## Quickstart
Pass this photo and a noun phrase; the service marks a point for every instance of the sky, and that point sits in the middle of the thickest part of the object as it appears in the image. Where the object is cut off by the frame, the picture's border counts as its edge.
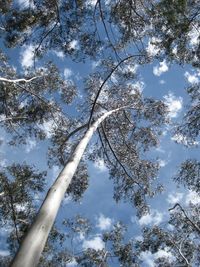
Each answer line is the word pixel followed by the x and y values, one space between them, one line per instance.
pixel 159 79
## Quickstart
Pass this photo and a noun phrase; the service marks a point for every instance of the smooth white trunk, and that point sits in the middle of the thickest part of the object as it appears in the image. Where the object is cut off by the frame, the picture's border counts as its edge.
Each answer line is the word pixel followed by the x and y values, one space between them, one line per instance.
pixel 33 244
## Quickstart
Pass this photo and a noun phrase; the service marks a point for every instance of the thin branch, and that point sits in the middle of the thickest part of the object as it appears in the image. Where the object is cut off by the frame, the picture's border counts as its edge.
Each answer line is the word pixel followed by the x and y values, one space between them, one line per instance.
pixel 34 94
pixel 106 30
pixel 103 83
pixel 186 216
pixel 115 156
pixel 43 38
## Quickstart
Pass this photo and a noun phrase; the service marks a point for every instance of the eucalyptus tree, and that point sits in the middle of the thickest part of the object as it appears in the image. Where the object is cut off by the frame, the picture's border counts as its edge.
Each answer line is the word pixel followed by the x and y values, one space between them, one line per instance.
pixel 114 248
pixel 21 187
pixel 137 121
pixel 19 184
pixel 179 239
pixel 127 122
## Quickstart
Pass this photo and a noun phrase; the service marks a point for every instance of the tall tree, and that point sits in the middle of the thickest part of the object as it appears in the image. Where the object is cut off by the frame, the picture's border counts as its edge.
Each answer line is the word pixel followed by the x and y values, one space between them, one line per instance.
pixel 73 28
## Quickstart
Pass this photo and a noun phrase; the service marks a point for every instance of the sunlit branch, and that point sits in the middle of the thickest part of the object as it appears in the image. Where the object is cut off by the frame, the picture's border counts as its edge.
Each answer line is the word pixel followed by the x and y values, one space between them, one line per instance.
pixel 179 249
pixel 19 80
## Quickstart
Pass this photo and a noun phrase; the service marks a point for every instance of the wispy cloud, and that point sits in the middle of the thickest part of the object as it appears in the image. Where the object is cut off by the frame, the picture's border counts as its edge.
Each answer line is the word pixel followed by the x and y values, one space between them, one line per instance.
pixel 152 48
pixel 174 198
pixel 72 263
pixel 148 257
pixel 25 4
pixel 67 73
pixel 192 78
pixel 161 68
pixel 154 217
pixel 100 165
pixel 96 243
pixel 104 223
pixel 4 253
pixel 59 54
pixel 174 104
pixel 30 145
pixel 27 56
pixel 192 197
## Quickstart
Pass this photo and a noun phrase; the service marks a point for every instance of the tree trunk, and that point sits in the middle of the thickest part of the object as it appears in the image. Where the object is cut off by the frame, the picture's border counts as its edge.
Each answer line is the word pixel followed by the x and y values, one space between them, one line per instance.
pixel 33 243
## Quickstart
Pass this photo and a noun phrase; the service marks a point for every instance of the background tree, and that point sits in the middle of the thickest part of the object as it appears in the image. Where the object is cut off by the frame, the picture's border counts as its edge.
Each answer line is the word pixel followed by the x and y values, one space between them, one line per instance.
pixel 21 187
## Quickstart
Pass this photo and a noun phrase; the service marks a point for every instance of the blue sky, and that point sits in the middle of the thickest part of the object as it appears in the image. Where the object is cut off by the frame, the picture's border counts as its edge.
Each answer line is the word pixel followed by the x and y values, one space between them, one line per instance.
pixel 158 79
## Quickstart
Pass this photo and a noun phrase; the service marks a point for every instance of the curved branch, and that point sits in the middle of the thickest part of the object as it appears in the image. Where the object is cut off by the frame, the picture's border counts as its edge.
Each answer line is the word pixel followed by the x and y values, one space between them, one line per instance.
pixel 115 156
pixel 103 83
pixel 186 216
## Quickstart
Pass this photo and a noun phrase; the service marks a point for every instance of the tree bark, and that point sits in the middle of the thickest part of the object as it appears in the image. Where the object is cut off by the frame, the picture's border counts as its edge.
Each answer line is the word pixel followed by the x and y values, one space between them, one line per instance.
pixel 33 243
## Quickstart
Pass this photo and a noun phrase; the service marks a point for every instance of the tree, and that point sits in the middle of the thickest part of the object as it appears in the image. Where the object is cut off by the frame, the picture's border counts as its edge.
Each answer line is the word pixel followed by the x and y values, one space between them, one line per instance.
pixel 179 240
pixel 122 140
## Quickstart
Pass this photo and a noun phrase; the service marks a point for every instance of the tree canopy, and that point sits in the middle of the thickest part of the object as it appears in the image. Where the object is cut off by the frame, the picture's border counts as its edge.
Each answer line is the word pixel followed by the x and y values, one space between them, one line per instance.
pixel 126 125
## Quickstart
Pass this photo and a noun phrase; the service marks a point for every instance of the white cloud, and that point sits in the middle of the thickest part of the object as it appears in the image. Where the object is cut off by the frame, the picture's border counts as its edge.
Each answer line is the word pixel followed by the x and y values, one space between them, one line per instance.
pixel 161 68
pixel 73 44
pixel 66 200
pixel 194 36
pixel 72 263
pixel 174 104
pixel 30 145
pixel 131 68
pixel 162 82
pixel 174 198
pixel 191 78
pixel 160 149
pixel 4 253
pixel 100 165
pixel 96 243
pixel 92 2
pixel 193 198
pixel 148 258
pixel 47 127
pixel 55 171
pixel 154 217
pixel 162 162
pixel 137 86
pixel 104 223
pixel 27 56
pixel 21 207
pixel 152 48
pixel 67 73
pixel 96 64
pixel 3 162
pixel 26 3
pixel 59 54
